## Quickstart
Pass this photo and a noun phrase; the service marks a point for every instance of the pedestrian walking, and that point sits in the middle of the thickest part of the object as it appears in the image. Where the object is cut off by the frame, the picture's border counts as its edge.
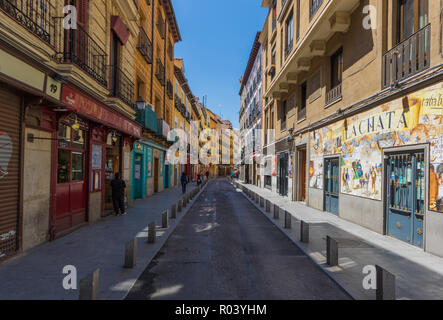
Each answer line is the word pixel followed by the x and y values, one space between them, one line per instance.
pixel 199 179
pixel 207 175
pixel 118 195
pixel 184 181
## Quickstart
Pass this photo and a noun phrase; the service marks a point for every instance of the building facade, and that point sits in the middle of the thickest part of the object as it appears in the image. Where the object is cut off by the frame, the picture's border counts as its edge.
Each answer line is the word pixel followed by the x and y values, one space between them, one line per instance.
pixel 353 90
pixel 251 117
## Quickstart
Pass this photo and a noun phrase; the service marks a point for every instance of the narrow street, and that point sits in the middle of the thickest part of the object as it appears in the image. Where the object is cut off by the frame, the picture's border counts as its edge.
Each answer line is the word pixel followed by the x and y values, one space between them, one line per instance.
pixel 224 249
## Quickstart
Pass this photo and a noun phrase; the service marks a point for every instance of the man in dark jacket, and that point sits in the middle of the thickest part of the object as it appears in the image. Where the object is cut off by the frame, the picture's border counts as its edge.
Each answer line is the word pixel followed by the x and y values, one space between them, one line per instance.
pixel 118 195
pixel 207 175
pixel 184 182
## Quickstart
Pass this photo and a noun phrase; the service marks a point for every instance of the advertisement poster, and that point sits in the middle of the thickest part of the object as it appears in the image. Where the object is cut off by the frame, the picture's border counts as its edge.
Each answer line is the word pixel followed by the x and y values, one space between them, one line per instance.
pixel 149 160
pixel 96 157
pixel 359 141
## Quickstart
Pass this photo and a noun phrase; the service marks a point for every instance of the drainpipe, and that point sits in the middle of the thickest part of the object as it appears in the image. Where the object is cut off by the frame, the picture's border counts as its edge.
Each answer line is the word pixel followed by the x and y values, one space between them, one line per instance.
pixel 164 72
pixel 153 43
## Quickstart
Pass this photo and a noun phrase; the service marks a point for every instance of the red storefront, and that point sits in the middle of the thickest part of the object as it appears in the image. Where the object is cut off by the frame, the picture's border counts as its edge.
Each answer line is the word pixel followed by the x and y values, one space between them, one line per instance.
pixel 87 152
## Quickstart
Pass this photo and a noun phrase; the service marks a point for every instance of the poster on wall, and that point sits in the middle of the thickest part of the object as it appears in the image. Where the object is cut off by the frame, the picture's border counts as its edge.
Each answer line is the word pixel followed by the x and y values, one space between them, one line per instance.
pixel 149 160
pixel 359 141
pixel 96 157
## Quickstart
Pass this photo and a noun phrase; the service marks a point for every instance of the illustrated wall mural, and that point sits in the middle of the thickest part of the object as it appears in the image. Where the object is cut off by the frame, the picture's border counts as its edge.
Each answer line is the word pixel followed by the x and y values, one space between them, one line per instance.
pixel 360 139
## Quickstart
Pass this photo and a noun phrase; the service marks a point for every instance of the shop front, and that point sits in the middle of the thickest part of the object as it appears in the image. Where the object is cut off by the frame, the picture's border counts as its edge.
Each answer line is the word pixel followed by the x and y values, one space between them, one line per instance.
pixel 389 161
pixel 93 143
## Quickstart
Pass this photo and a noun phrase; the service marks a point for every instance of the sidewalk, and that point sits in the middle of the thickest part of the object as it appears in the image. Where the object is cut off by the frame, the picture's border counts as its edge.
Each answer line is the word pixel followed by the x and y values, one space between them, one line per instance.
pixel 37 273
pixel 419 275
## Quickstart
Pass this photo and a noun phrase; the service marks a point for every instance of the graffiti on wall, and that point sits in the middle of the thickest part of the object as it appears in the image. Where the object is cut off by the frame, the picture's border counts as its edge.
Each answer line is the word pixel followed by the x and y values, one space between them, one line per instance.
pixel 359 141
pixel 5 153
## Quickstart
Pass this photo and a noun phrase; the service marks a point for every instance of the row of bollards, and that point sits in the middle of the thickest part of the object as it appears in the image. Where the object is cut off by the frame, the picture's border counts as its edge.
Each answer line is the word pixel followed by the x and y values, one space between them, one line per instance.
pixel 89 285
pixel 385 289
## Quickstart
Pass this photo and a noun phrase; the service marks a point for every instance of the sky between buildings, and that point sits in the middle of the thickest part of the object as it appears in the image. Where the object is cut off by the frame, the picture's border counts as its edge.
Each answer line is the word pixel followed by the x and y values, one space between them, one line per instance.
pixel 217 39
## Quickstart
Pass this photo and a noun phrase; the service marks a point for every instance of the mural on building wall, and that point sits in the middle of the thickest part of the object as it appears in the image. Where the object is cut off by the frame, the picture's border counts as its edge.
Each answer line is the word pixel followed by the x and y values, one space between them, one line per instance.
pixel 359 141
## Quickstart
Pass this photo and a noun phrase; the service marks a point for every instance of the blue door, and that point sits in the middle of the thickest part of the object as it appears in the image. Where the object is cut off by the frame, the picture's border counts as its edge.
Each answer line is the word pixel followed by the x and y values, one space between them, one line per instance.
pixel 405 199
pixel 332 185
pixel 138 180
pixel 166 175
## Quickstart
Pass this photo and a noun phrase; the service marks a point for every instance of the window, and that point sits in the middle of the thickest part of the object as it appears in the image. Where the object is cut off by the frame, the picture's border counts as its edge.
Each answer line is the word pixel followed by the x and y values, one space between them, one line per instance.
pixel 298 20
pixel 314 5
pixel 336 68
pixel 413 16
pixel 70 155
pixel 303 102
pixel 284 111
pixel 289 34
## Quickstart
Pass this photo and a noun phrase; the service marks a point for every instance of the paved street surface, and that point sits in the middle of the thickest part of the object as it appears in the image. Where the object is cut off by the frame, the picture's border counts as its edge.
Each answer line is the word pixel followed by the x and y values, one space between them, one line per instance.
pixel 226 249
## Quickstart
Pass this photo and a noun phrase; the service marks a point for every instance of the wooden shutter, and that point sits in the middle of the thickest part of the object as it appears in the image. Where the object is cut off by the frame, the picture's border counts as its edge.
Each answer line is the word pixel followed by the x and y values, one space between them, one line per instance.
pixel 83 13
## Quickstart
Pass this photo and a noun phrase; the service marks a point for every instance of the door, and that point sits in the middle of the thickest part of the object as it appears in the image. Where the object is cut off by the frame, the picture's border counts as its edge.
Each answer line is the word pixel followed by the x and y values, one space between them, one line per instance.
pixel 302 175
pixel 283 175
pixel 10 138
pixel 138 176
pixel 70 190
pixel 405 197
pixel 332 185
pixel 156 164
pixel 166 177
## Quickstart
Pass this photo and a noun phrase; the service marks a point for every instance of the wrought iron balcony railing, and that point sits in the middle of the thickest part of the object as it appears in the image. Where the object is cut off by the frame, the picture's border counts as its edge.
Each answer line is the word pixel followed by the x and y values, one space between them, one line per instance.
pixel 160 74
pixel 76 46
pixel 36 16
pixel 301 114
pixel 334 95
pixel 148 118
pixel 145 46
pixel 169 90
pixel 122 86
pixel 408 58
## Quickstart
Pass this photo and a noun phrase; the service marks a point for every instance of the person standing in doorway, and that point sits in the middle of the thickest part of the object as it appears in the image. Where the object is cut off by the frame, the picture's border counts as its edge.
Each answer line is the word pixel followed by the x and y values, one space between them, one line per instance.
pixel 118 195
pixel 184 181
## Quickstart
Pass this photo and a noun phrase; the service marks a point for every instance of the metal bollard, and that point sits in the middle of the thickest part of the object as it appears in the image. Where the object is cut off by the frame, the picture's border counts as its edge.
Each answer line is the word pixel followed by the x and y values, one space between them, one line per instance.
pixel 385 285
pixel 184 201
pixel 268 206
pixel 174 211
pixel 180 205
pixel 331 251
pixel 89 286
pixel 131 253
pixel 304 232
pixel 288 220
pixel 152 232
pixel 276 212
pixel 165 220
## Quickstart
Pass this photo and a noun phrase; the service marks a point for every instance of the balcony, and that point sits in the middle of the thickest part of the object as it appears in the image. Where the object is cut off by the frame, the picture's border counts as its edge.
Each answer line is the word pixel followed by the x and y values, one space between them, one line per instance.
pixel 160 74
pixel 122 86
pixel 169 90
pixel 77 47
pixel 301 114
pixel 408 58
pixel 36 16
pixel 162 128
pixel 145 46
pixel 148 119
pixel 334 95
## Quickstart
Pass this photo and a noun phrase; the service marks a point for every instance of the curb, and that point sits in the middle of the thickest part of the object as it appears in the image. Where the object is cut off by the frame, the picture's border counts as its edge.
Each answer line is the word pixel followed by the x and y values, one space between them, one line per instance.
pixel 285 232
pixel 162 240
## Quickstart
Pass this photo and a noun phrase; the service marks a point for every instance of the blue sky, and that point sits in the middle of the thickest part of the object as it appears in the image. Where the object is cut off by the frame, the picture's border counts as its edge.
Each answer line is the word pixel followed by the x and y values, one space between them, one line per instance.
pixel 217 39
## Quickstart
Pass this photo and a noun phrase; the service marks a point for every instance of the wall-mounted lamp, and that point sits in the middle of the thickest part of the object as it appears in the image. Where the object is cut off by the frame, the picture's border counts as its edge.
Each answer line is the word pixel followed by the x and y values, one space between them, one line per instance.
pixel 114 137
pixel 140 103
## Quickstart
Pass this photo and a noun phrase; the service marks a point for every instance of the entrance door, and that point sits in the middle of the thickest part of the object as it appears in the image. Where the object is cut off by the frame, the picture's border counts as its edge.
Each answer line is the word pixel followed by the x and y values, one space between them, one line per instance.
pixel 283 175
pixel 405 198
pixel 301 194
pixel 138 180
pixel 332 185
pixel 156 174
pixel 70 190
pixel 166 177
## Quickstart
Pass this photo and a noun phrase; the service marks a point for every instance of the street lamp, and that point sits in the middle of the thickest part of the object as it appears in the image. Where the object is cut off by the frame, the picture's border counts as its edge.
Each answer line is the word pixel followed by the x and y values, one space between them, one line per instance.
pixel 140 103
